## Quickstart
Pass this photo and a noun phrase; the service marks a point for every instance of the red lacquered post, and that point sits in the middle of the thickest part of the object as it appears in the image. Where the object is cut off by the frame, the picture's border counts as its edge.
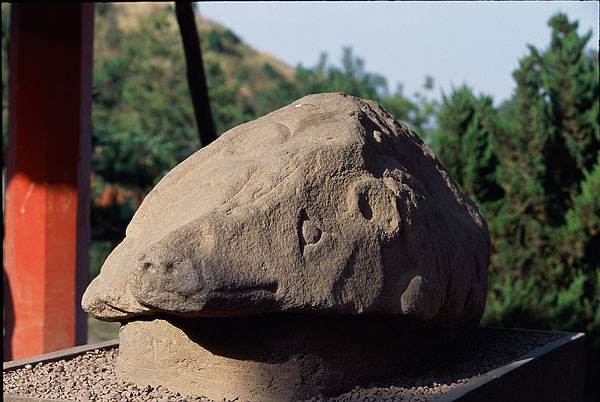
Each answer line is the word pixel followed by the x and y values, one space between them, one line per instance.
pixel 47 195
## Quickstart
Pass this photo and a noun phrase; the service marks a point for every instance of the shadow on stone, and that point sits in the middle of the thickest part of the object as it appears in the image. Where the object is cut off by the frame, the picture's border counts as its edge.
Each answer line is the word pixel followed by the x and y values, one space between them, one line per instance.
pixel 274 356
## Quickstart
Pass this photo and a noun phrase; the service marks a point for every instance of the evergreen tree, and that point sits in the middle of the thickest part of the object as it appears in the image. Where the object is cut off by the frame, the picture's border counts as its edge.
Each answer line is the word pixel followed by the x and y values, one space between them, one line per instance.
pixel 351 78
pixel 546 265
pixel 519 230
pixel 581 236
pixel 464 143
pixel 570 88
pixel 553 140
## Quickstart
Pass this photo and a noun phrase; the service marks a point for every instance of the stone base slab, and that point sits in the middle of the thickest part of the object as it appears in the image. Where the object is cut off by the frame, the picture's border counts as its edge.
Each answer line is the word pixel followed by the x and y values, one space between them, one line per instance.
pixel 268 358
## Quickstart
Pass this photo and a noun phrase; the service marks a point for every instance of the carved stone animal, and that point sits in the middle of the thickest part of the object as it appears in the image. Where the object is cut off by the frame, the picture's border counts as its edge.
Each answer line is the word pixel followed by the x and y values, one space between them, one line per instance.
pixel 328 205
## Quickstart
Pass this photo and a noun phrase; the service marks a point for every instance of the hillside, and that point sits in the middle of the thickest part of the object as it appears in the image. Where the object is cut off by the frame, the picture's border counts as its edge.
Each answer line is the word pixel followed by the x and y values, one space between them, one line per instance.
pixel 237 59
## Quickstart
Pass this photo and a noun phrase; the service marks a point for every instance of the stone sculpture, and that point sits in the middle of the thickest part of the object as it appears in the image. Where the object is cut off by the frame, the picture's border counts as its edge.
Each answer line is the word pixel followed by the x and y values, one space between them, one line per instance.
pixel 327 207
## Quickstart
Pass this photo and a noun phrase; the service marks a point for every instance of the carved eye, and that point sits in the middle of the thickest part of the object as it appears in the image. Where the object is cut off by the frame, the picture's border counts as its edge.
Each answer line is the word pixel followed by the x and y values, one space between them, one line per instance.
pixel 310 232
pixel 371 199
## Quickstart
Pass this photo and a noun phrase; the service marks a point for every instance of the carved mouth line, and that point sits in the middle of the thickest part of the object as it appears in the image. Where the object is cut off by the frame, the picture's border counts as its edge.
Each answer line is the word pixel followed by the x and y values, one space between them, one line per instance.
pixel 117 310
pixel 269 288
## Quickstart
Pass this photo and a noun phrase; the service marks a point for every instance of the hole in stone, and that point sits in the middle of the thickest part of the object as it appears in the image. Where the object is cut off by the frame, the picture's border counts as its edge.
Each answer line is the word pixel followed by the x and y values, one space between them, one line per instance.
pixel 364 207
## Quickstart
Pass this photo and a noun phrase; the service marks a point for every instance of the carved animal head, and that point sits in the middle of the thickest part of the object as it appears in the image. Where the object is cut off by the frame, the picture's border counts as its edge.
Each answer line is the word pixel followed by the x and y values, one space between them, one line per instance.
pixel 327 205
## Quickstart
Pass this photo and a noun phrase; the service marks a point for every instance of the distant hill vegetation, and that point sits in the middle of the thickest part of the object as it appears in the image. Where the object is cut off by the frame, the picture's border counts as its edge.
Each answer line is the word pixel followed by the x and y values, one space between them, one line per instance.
pixel 234 69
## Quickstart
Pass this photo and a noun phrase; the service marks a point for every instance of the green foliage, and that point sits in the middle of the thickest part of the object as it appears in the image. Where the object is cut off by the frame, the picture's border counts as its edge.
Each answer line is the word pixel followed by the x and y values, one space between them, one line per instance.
pixel 533 165
pixel 464 143
pixel 582 229
pixel 521 303
pixel 545 153
pixel 137 134
pixel 226 108
pixel 230 38
pixel 354 80
pixel 221 42
pixel 99 250
pixel 213 41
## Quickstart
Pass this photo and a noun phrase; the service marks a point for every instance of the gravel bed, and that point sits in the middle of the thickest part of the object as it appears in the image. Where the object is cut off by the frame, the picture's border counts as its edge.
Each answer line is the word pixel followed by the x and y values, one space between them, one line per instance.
pixel 90 377
pixel 87 377
pixel 475 354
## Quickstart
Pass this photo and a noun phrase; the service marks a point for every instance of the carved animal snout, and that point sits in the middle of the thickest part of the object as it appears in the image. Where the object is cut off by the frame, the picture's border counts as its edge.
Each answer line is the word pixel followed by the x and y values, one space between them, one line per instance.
pixel 180 276
pixel 163 277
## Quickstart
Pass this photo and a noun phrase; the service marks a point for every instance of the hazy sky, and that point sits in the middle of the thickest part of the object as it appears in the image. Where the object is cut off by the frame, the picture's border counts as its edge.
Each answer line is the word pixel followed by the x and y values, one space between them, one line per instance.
pixel 474 42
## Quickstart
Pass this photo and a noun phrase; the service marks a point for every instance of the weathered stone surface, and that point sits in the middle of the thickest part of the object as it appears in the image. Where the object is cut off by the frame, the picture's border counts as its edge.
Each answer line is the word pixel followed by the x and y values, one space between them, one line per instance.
pixel 270 357
pixel 327 205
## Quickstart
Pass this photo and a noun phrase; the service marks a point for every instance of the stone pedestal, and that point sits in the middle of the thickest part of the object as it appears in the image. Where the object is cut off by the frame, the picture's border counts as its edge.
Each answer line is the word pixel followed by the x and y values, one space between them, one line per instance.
pixel 276 357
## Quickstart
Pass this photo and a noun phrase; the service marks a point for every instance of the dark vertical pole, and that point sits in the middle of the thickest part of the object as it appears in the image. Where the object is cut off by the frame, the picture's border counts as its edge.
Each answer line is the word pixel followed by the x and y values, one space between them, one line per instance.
pixel 47 196
pixel 84 233
pixel 195 72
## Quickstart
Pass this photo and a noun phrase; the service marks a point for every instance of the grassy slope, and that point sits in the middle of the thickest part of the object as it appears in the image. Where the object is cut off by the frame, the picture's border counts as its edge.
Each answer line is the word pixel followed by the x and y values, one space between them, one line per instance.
pixel 239 58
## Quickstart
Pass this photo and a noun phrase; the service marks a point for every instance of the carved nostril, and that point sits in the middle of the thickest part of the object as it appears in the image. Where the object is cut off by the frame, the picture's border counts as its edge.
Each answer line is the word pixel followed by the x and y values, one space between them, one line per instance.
pixel 154 265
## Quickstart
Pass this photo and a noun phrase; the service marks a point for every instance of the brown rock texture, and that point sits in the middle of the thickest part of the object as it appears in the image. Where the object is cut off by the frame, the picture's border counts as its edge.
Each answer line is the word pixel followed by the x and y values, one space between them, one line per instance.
pixel 328 205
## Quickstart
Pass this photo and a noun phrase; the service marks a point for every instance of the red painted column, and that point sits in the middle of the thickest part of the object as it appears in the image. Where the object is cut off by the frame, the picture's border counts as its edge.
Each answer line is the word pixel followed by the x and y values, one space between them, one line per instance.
pixel 47 196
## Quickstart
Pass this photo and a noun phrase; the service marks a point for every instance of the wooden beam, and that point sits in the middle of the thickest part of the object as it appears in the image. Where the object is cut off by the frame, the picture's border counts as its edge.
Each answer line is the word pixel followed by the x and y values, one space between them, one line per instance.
pixel 195 72
pixel 47 197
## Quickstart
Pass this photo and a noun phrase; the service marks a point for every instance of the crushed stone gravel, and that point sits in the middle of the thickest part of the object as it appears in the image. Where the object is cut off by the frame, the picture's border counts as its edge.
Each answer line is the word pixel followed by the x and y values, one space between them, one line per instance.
pixel 91 377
